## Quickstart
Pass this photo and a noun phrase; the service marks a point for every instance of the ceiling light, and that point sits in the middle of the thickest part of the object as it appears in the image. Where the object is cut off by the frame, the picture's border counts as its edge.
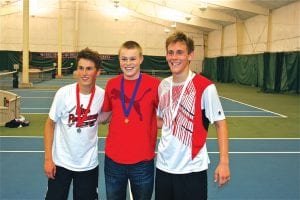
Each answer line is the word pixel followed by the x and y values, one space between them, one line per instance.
pixel 188 18
pixel 116 3
pixel 203 5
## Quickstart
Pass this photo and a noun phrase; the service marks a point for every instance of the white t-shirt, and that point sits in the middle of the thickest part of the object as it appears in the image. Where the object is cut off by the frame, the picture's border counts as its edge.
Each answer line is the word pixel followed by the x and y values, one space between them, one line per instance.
pixel 174 149
pixel 73 150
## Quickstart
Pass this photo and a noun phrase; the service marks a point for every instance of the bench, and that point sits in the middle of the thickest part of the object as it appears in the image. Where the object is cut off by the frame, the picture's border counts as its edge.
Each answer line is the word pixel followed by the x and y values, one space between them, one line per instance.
pixel 10 109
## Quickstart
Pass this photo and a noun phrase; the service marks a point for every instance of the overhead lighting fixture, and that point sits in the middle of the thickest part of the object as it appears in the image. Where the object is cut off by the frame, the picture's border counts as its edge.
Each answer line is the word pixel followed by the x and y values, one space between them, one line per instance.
pixel 203 5
pixel 167 30
pixel 116 3
pixel 188 18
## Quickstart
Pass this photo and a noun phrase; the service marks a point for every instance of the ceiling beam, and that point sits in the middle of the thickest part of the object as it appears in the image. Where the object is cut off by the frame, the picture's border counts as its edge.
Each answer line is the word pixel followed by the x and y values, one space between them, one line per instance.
pixel 7 10
pixel 150 9
pixel 241 5
pixel 194 10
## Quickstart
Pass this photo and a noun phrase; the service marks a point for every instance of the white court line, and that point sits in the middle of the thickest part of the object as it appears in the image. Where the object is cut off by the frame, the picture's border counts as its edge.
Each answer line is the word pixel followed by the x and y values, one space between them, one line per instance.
pixel 257 116
pixel 240 111
pixel 210 152
pixel 35 90
pixel 22 151
pixel 35 109
pixel 231 116
pixel 37 97
pixel 28 113
pixel 284 116
pixel 210 138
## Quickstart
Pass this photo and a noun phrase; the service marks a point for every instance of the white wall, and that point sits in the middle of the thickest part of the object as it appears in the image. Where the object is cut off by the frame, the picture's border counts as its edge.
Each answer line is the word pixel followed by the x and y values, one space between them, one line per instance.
pixel 11 32
pixel 255 35
pixel 95 30
pixel 280 32
pixel 213 46
pixel 286 28
pixel 106 35
pixel 229 40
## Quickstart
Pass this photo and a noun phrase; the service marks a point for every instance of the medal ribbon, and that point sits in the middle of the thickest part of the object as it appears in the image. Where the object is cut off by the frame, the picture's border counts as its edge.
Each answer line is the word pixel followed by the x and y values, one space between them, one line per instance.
pixel 127 111
pixel 81 119
pixel 186 82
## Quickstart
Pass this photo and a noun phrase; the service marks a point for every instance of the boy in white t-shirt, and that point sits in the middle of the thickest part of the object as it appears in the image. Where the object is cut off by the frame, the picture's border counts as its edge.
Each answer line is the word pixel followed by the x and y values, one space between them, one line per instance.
pixel 71 133
pixel 187 104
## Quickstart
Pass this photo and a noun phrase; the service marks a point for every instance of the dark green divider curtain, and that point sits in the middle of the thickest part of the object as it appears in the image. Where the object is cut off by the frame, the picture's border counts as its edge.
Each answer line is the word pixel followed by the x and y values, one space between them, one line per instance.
pixel 272 72
pixel 291 65
pixel 111 66
pixel 8 59
pixel 210 69
pixel 36 60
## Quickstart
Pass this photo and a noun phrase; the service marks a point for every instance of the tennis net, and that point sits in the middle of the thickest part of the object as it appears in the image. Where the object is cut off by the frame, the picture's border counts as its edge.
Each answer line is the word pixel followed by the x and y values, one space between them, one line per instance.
pixel 37 75
pixel 8 80
pixel 67 70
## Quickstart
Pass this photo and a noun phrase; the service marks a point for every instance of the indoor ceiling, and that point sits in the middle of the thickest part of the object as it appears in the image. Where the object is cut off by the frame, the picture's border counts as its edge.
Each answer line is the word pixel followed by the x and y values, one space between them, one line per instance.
pixel 207 15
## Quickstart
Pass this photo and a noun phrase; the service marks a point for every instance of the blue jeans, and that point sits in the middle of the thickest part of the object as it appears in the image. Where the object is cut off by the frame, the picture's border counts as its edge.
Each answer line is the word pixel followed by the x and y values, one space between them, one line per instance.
pixel 140 175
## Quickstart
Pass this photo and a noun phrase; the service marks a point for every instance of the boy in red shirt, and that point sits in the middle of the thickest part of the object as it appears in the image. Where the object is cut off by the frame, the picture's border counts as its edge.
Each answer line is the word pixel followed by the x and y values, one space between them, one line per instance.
pixel 132 98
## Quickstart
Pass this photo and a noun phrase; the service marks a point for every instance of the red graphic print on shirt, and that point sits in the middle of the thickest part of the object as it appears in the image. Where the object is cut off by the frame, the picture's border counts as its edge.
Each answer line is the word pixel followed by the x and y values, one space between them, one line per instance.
pixel 182 126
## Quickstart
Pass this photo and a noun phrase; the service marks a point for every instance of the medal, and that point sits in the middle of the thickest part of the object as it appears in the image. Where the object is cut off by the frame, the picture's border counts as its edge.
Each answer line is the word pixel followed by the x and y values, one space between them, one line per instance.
pixel 126 111
pixel 82 116
pixel 126 120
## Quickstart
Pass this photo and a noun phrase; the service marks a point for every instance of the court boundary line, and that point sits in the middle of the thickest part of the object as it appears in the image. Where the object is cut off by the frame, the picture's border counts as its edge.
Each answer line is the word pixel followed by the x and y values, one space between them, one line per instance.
pixel 209 138
pixel 231 116
pixel 209 152
pixel 228 116
pixel 37 97
pixel 283 116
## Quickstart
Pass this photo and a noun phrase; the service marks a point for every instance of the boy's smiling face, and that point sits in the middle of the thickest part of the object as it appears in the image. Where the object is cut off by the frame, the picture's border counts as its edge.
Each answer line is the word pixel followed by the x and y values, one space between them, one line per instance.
pixel 130 61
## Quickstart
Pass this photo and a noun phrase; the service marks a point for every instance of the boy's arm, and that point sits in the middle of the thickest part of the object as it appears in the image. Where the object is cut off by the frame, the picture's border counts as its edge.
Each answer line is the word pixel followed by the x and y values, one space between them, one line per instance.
pixel 159 122
pixel 105 117
pixel 222 172
pixel 106 107
pixel 49 166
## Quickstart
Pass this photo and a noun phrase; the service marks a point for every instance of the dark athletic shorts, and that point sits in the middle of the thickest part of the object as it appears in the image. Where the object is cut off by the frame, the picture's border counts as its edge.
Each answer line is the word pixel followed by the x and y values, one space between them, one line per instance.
pixel 85 184
pixel 191 186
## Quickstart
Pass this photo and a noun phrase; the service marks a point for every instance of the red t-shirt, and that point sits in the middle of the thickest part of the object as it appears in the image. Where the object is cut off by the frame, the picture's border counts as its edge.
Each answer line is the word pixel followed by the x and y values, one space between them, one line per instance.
pixel 132 142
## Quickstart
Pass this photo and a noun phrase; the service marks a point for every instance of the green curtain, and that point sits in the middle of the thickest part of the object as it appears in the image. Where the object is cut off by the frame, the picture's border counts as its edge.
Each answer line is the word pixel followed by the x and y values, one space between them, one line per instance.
pixel 111 66
pixel 45 60
pixel 291 66
pixel 272 72
pixel 8 59
pixel 210 68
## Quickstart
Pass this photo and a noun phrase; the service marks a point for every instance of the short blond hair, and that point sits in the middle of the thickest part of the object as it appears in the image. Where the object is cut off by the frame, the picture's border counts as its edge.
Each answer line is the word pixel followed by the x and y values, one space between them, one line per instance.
pixel 131 45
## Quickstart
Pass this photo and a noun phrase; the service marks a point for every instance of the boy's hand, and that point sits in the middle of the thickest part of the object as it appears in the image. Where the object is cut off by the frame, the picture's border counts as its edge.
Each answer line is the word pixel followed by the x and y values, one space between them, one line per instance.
pixel 50 169
pixel 222 174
